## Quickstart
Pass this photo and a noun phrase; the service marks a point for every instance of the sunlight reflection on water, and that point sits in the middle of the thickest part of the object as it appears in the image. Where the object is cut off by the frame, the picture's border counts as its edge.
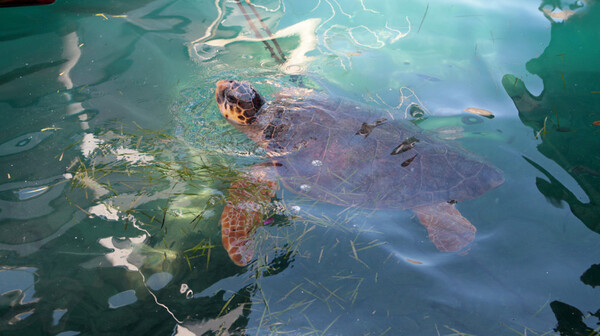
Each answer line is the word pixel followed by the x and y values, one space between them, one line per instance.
pixel 130 237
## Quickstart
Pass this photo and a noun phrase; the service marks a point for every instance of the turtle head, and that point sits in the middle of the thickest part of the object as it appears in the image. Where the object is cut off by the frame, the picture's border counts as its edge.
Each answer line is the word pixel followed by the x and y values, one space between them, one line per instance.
pixel 238 101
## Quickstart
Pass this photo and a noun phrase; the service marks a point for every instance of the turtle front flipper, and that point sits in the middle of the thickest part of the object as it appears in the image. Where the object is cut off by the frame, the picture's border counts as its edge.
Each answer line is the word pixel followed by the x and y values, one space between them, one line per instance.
pixel 448 230
pixel 246 205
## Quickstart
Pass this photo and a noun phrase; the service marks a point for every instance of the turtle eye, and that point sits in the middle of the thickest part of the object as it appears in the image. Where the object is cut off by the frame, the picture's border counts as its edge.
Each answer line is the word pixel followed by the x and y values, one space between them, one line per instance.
pixel 231 98
pixel 257 101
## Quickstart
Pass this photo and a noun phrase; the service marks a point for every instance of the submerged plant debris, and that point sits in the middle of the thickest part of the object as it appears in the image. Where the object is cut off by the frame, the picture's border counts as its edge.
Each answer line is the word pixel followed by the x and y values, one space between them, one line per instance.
pixel 162 185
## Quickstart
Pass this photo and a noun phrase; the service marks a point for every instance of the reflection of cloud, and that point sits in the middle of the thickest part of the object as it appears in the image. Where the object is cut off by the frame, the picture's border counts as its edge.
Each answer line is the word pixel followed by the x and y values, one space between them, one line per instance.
pixel 23 143
pixel 557 11
pixel 133 156
pixel 89 144
pixel 34 198
pixel 559 15
pixel 71 53
pixel 122 249
pixel 297 59
pixel 122 299
pixel 126 253
pixel 360 36
pixel 104 211
pixel 20 281
pixel 31 247
pixel 210 31
pixel 220 324
pixel 514 6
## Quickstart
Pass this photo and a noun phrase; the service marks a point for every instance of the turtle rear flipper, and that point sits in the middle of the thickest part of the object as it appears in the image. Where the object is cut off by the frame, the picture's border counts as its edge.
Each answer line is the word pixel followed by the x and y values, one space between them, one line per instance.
pixel 448 230
pixel 246 206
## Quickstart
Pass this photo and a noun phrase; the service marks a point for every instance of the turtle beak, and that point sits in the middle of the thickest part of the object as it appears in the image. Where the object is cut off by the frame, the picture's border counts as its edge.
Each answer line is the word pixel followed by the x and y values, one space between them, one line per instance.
pixel 221 86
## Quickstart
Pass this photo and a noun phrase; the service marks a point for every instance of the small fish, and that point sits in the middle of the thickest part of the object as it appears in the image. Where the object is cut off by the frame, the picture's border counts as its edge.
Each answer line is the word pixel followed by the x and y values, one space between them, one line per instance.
pixel 406 145
pixel 416 262
pixel 366 129
pixel 481 112
pixel 407 162
pixel 597 123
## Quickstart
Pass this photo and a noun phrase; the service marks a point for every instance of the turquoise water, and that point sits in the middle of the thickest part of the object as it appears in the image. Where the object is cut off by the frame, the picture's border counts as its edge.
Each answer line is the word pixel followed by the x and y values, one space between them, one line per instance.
pixel 114 162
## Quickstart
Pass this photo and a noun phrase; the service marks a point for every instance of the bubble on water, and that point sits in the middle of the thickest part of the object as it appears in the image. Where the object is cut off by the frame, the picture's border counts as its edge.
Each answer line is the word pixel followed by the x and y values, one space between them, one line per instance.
pixel 295 209
pixel 294 69
pixel 189 294
pixel 183 288
pixel 317 163
pixel 158 281
pixel 416 111
pixel 305 187
pixel 23 142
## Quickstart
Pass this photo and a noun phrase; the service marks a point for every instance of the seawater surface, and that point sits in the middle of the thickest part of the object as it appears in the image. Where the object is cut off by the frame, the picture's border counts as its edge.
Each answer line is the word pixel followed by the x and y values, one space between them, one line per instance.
pixel 115 163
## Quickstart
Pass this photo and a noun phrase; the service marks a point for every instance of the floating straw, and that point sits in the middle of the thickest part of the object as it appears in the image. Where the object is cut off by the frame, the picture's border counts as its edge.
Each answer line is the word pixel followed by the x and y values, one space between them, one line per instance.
pixel 257 33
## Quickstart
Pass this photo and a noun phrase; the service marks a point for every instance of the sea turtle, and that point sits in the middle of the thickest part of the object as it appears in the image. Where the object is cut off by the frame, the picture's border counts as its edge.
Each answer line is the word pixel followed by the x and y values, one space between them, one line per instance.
pixel 338 151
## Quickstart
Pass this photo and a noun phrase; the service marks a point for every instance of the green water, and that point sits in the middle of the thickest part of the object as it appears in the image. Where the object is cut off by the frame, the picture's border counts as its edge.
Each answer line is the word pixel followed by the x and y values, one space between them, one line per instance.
pixel 110 228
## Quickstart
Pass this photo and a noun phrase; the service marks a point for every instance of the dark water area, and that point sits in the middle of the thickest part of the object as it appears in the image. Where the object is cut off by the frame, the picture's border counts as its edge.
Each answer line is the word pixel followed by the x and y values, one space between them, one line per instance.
pixel 116 163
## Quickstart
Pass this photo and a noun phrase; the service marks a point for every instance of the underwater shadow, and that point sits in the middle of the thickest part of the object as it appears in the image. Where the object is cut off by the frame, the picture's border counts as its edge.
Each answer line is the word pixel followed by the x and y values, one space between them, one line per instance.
pixel 570 319
pixel 564 116
pixel 565 119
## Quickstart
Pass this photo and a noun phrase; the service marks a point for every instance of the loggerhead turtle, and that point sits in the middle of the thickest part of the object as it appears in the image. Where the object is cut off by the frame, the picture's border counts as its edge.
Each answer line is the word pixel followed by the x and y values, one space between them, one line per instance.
pixel 330 149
